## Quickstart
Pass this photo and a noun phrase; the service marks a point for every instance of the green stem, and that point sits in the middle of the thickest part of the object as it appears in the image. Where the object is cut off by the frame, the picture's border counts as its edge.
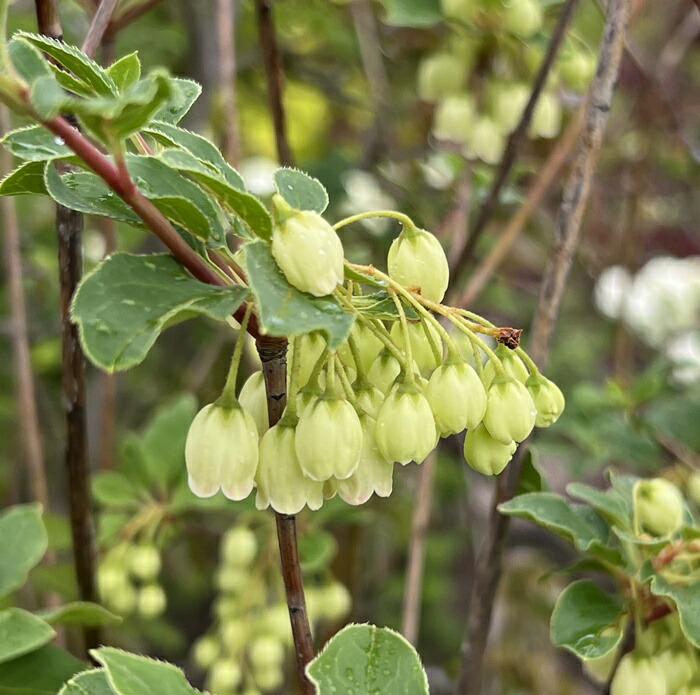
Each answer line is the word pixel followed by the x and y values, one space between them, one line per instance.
pixel 293 390
pixel 528 361
pixel 347 386
pixel 355 352
pixel 481 344
pixel 228 395
pixel 330 375
pixel 406 336
pixel 405 220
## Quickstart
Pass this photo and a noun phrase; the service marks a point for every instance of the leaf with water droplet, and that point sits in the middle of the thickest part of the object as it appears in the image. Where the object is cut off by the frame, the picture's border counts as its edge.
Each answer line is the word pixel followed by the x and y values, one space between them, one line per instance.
pixel 301 191
pixel 368 659
pixel 127 301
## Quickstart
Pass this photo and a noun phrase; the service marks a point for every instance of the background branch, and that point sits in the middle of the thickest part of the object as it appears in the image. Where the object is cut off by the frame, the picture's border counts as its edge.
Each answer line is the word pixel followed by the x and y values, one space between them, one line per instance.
pixel 226 26
pixel 98 27
pixel 566 238
pixel 515 142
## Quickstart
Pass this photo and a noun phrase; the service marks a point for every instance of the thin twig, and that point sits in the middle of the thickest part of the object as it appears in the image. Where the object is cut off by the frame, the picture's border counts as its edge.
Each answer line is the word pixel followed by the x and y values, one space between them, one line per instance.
pixel 98 26
pixel 545 178
pixel 273 355
pixel 226 26
pixel 567 233
pixel 130 16
pixel 69 228
pixel 410 622
pixel 515 141
pixel 274 78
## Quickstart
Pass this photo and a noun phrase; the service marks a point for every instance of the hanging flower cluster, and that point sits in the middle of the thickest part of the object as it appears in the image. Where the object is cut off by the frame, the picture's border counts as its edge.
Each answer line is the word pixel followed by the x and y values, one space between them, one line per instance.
pixel 396 385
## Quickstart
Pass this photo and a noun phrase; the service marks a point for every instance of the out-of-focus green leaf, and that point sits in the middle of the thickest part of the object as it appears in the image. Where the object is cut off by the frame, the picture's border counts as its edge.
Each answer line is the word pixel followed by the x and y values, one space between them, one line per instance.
pixel 79 613
pixel 23 542
pixel 412 13
pixel 26 179
pixel 21 633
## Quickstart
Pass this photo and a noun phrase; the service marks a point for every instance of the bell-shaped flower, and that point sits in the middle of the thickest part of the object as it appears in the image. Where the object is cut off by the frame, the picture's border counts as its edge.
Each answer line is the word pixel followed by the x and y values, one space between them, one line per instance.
pixel 384 371
pixel 485 454
pixel 423 354
pixel 328 438
pixel 416 260
pixel 510 411
pixel 369 397
pixel 457 398
pixel 221 452
pixel 253 400
pixel 405 425
pixel 548 399
pixel 374 474
pixel 658 506
pixel 309 253
pixel 281 483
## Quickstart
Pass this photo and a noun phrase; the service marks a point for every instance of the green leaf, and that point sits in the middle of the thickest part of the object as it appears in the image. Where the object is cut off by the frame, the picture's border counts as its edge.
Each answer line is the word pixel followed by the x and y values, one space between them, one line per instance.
pixel 532 479
pixel 687 599
pixel 92 682
pixel 301 191
pixel 26 178
pixel 27 60
pixel 21 633
pixel 554 513
pixel 245 205
pixel 88 193
pixel 180 200
pixel 114 489
pixel 84 68
pixel 609 503
pixel 129 674
pixel 356 276
pixel 35 144
pixel 284 310
pixel 412 13
pixel 198 146
pixel 368 659
pixel 164 441
pixel 47 97
pixel 185 93
pixel 44 670
pixel 23 543
pixel 317 550
pixel 586 620
pixel 79 613
pixel 379 305
pixel 70 83
pixel 125 71
pixel 117 118
pixel 127 301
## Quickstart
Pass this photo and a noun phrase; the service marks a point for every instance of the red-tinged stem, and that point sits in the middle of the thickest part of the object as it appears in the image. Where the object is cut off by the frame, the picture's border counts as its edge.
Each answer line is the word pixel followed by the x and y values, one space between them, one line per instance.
pixel 124 187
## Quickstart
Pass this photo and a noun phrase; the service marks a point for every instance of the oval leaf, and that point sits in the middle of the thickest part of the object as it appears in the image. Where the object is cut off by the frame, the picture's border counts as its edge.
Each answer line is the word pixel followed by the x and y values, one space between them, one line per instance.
pixel 368 659
pixel 79 613
pixel 586 620
pixel 301 191
pixel 687 599
pixel 23 542
pixel 21 633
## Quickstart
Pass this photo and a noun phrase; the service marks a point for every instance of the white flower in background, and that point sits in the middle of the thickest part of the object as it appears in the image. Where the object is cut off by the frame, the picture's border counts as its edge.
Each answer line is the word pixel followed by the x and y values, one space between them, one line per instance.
pixel 257 173
pixel 363 194
pixel 438 171
pixel 661 304
pixel 684 351
pixel 612 287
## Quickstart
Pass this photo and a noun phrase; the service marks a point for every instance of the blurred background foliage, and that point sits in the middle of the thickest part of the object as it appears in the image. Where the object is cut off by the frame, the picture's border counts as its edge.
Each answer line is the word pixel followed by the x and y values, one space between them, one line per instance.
pixel 626 353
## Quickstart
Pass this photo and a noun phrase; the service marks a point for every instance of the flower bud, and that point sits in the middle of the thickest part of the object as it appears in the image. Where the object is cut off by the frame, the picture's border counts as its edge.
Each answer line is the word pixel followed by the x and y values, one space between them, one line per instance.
pixel 523 18
pixel 265 651
pixel 275 621
pixel 151 601
pixel 454 118
pixel 507 104
pixel 405 426
pixel 546 119
pixel 205 652
pixel 221 451
pixel 421 349
pixel 694 488
pixel 636 675
pixel 659 506
pixel 513 366
pixel 486 141
pixel 144 562
pixel 440 75
pixel 510 411
pixel 374 474
pixel 416 259
pixel 677 667
pixel 238 546
pixel 485 454
pixel 368 346
pixel 369 398
pixel 224 676
pixel 334 601
pixel 457 398
pixel 281 481
pixel 384 371
pixel 231 579
pixel 253 400
pixel 269 678
pixel 234 634
pixel 328 438
pixel 309 253
pixel 311 346
pixel 577 69
pixel 548 399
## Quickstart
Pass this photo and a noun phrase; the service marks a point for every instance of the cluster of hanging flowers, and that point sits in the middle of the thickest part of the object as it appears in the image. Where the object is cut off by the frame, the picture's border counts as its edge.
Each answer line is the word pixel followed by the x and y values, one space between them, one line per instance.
pixel 398 383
